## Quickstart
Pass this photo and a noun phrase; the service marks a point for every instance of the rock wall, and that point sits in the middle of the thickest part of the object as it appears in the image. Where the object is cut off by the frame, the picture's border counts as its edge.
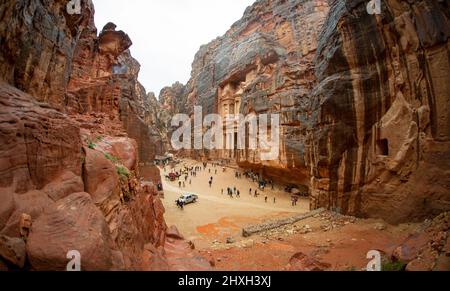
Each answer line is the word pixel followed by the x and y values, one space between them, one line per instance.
pixel 379 141
pixel 37 47
pixel 263 64
pixel 105 79
pixel 363 100
pixel 76 130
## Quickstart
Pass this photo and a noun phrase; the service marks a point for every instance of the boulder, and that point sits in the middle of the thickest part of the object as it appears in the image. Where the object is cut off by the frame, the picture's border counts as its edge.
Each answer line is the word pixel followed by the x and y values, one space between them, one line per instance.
pixel 13 251
pixel 64 185
pixel 72 223
pixel 173 233
pixel 302 262
pixel 31 205
pixel 101 178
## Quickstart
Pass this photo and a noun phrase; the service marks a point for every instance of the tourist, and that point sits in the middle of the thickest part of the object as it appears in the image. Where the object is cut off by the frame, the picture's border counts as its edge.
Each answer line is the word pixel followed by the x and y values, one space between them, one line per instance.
pixel 274 200
pixel 179 184
pixel 210 184
pixel 238 194
pixel 250 191
pixel 265 199
pixel 184 185
pixel 222 191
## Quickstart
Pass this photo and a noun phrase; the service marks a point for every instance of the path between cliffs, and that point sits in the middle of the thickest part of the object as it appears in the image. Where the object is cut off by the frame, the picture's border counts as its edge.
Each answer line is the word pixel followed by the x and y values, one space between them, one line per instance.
pixel 234 202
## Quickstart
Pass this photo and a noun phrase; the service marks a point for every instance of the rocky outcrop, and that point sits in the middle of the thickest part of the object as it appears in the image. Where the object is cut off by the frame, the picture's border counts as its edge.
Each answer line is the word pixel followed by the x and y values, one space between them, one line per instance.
pixel 379 140
pixel 429 248
pixel 105 79
pixel 76 130
pixel 363 100
pixel 37 43
pixel 181 255
pixel 302 262
pixel 45 159
pixel 263 64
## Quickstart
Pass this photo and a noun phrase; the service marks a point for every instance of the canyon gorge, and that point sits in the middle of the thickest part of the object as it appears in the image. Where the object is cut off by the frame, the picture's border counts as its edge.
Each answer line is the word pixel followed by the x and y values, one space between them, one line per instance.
pixel 363 101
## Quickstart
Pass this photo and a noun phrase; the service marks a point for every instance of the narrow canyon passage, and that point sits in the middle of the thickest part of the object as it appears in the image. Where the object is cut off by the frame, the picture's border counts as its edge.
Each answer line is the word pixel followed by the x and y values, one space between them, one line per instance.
pixel 344 106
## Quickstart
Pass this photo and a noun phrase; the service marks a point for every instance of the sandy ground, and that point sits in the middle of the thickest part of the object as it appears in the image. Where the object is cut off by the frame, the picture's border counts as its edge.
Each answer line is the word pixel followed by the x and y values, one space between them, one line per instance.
pixel 344 248
pixel 215 217
pixel 341 242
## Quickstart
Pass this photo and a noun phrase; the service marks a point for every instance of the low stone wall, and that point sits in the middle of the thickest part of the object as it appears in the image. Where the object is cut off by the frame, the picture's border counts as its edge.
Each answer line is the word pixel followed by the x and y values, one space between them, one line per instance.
pixel 254 229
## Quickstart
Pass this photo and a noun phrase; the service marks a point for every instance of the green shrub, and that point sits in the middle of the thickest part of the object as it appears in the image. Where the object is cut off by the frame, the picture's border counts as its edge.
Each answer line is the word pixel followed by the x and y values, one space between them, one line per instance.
pixel 123 172
pixel 111 158
pixel 91 145
pixel 392 266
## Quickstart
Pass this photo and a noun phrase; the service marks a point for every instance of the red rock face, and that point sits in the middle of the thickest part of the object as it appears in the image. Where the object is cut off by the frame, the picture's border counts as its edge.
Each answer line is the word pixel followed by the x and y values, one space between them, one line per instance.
pixel 105 79
pixel 263 64
pixel 37 44
pixel 379 144
pixel 73 223
pixel 69 167
pixel 38 143
pixel 363 100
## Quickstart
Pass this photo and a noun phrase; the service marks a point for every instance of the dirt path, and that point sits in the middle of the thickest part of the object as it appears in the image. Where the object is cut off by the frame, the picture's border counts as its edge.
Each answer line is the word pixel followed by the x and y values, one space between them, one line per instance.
pixel 216 216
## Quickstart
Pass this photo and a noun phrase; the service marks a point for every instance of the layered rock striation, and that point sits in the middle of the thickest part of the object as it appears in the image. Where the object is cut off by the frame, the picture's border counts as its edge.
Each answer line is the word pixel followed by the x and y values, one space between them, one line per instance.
pixel 263 64
pixel 363 100
pixel 78 137
pixel 379 141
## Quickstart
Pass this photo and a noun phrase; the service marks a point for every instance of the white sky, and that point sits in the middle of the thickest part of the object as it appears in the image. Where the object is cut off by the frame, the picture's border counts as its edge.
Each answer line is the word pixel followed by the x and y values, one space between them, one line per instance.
pixel 166 34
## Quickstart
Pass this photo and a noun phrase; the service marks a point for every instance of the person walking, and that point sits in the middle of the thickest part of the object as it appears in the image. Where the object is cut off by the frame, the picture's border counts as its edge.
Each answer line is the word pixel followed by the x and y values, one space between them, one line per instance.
pixel 179 184
pixel 265 199
pixel 238 194
pixel 274 200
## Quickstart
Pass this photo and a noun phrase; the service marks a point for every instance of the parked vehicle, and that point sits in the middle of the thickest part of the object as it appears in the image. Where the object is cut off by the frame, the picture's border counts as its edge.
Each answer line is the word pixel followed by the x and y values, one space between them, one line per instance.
pixel 187 199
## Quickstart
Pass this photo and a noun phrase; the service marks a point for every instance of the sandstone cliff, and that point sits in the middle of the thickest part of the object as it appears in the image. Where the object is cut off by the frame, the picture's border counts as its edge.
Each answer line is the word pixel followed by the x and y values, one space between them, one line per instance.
pixel 363 100
pixel 379 142
pixel 78 137
pixel 263 64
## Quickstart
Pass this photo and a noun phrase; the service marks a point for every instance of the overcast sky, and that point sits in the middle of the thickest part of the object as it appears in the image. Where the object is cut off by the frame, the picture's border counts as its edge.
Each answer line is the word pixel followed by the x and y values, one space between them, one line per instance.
pixel 166 34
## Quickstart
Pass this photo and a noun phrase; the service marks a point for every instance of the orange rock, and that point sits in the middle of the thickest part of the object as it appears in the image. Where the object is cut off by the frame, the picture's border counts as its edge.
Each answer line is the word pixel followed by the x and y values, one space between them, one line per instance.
pixel 302 262
pixel 72 223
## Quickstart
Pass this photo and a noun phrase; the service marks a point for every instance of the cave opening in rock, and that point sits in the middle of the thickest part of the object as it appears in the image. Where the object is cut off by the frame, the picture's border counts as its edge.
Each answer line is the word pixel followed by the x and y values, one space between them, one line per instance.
pixel 383 147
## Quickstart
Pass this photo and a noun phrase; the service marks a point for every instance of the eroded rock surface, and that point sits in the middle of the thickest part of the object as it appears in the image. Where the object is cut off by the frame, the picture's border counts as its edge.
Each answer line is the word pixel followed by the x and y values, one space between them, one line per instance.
pixel 363 100
pixel 76 131
pixel 379 141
